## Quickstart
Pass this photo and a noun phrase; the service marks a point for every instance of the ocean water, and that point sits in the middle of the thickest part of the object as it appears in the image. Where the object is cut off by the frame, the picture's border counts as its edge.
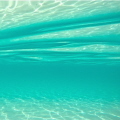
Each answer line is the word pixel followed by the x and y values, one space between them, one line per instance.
pixel 60 60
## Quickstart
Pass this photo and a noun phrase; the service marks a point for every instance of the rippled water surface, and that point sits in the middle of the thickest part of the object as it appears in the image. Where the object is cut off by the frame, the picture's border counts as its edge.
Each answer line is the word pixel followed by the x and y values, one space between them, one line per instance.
pixel 69 31
pixel 59 60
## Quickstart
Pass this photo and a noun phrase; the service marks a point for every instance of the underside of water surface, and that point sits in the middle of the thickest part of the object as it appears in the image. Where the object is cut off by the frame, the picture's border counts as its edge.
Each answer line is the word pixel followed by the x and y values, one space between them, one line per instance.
pixel 60 60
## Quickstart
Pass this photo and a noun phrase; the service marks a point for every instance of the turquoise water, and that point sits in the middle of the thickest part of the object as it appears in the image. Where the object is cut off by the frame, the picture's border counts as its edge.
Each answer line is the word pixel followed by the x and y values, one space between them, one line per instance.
pixel 59 60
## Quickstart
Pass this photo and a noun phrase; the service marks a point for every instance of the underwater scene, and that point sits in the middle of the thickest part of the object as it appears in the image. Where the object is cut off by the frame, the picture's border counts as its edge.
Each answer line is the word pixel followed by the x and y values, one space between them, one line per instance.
pixel 59 60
